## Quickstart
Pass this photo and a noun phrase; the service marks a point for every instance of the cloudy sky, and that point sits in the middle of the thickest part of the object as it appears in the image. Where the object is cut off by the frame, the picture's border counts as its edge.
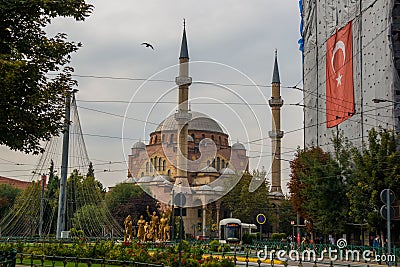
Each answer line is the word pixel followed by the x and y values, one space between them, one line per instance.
pixel 122 83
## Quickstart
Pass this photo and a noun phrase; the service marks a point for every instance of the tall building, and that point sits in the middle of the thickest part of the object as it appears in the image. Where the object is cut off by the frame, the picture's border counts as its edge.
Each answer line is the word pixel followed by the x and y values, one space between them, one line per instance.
pixel 340 37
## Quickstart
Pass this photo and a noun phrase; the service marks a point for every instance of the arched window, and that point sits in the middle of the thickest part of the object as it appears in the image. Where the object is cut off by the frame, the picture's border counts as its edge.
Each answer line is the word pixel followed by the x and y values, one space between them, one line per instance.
pixel 147 167
pixel 218 163
pixel 227 165
pixel 223 164
pixel 171 139
pixel 213 163
pixel 163 139
pixel 169 173
pixel 142 174
pixel 164 165
pixel 155 139
pixel 160 164
pixel 155 163
pixel 151 165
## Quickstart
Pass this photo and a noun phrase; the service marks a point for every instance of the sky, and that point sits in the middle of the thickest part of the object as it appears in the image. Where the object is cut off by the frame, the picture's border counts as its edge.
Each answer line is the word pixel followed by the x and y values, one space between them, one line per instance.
pixel 122 83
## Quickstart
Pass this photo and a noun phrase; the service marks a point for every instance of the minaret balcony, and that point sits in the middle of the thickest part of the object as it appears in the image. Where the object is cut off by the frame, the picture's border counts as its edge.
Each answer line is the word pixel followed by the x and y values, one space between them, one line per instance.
pixel 275 102
pixel 275 134
pixel 183 80
pixel 183 116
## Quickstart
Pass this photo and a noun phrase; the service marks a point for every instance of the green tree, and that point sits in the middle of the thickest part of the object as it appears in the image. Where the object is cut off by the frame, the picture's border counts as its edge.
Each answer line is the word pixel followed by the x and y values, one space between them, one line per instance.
pixel 90 219
pixel 376 167
pixel 32 102
pixel 51 201
pixel 317 190
pixel 129 199
pixel 245 205
pixel 8 193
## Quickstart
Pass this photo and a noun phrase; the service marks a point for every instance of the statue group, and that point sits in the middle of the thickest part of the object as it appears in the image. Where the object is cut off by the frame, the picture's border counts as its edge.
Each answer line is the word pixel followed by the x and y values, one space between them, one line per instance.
pixel 157 229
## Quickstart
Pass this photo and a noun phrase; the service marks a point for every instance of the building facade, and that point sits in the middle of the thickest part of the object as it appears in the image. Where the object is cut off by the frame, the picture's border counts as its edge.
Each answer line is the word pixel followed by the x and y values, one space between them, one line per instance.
pixel 375 59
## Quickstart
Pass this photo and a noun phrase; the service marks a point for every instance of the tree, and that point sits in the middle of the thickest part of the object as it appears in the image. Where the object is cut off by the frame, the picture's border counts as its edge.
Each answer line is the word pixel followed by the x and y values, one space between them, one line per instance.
pixel 51 197
pixel 317 190
pixel 245 205
pixel 90 219
pixel 376 167
pixel 32 102
pixel 8 193
pixel 129 199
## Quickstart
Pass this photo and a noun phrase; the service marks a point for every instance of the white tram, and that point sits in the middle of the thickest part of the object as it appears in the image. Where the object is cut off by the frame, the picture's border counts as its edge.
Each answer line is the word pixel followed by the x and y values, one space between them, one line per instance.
pixel 231 230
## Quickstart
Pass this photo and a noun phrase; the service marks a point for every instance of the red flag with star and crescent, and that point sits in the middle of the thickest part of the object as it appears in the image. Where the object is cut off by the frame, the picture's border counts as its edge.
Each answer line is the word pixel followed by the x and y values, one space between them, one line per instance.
pixel 339 76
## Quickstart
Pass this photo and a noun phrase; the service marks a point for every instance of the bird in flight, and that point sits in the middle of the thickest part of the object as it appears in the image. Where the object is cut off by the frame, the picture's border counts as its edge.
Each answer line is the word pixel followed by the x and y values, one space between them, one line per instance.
pixel 148 45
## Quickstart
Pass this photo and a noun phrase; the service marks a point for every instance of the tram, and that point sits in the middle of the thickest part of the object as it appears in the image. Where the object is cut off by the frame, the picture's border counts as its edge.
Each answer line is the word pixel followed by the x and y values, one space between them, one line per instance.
pixel 231 230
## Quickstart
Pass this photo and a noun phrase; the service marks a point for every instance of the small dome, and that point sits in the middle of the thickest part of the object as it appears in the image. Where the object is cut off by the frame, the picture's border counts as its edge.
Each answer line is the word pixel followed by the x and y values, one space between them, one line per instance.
pixel 139 145
pixel 205 188
pixel 190 138
pixel 145 179
pixel 226 171
pixel 161 178
pixel 209 169
pixel 238 146
pixel 132 180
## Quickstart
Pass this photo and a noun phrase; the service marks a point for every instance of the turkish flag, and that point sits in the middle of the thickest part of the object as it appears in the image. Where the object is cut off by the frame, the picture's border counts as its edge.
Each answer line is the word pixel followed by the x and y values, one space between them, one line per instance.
pixel 339 76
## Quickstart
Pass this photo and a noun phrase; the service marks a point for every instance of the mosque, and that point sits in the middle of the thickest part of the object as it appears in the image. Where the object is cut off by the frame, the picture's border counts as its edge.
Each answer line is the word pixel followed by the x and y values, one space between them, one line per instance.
pixel 189 153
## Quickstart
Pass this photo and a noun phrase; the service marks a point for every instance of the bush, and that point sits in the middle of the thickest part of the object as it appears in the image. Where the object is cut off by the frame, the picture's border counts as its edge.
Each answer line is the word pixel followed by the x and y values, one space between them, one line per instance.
pixel 214 245
pixel 248 238
pixel 278 236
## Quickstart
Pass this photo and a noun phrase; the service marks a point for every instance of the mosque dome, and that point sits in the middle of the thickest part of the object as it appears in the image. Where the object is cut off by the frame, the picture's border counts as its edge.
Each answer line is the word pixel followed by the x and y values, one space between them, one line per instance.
pixel 209 169
pixel 199 122
pixel 226 171
pixel 139 145
pixel 238 146
pixel 145 179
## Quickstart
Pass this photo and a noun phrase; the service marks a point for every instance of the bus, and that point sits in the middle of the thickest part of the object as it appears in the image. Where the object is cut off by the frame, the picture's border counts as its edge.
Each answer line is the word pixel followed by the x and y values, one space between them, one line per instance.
pixel 231 230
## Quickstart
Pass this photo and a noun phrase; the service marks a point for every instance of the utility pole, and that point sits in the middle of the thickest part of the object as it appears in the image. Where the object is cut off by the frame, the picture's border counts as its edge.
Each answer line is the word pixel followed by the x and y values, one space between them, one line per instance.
pixel 62 200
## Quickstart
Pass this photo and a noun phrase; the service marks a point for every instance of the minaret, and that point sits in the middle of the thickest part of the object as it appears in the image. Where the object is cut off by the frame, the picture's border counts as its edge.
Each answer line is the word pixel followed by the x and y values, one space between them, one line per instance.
pixel 276 134
pixel 182 116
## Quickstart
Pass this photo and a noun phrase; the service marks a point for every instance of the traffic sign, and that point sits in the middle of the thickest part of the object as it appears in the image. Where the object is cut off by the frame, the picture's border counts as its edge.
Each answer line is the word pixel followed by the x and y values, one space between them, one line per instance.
pixel 180 199
pixel 392 196
pixel 261 219
pixel 384 212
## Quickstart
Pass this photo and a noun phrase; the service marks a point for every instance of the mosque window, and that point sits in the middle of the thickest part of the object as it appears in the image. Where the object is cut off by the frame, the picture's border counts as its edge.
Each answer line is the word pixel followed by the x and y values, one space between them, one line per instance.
pixel 163 139
pixel 212 137
pixel 169 173
pixel 164 165
pixel 213 163
pixel 155 163
pixel 223 164
pixel 160 164
pixel 155 139
pixel 142 174
pixel 147 167
pixel 171 139
pixel 227 165
pixel 218 163
pixel 199 213
pixel 203 136
pixel 151 165
pixel 193 136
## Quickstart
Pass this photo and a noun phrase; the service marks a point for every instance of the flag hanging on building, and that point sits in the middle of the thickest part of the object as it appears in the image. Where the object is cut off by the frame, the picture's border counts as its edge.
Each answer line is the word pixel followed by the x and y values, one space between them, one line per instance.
pixel 339 76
